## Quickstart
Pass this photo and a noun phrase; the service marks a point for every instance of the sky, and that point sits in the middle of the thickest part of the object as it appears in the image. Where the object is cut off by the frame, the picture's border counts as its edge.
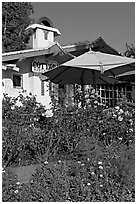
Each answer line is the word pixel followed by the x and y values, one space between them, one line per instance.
pixel 80 21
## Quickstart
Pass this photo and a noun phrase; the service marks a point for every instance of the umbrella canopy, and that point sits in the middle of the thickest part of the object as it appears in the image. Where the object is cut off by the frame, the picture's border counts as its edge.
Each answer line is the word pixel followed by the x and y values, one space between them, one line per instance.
pixel 91 68
pixel 94 79
pixel 127 76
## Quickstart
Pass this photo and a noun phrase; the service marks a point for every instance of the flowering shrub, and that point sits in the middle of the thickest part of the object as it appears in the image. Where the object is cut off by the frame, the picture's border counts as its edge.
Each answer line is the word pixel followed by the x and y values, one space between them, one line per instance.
pixel 118 125
pixel 97 143
pixel 97 179
pixel 21 131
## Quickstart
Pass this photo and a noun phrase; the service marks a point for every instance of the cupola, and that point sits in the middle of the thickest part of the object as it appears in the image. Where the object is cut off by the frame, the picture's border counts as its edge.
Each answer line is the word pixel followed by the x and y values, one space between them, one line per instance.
pixel 42 33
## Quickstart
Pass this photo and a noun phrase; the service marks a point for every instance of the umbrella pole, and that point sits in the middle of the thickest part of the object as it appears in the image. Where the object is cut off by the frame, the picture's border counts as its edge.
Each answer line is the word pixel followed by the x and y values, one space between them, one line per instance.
pixel 82 89
pixel 113 99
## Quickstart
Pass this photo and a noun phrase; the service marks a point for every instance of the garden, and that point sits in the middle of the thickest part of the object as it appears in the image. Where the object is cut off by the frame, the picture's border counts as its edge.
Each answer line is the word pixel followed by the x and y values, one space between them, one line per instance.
pixel 84 154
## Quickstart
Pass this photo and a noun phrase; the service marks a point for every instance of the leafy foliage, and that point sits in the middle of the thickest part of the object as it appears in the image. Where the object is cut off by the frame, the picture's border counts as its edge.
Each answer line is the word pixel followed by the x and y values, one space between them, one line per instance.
pixel 8 185
pixel 86 153
pixel 130 51
pixel 15 18
pixel 105 177
pixel 21 133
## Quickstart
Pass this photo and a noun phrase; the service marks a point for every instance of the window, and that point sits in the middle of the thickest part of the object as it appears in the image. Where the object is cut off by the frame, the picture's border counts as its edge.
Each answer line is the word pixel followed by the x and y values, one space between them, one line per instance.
pixel 42 88
pixel 45 35
pixel 35 35
pixel 17 81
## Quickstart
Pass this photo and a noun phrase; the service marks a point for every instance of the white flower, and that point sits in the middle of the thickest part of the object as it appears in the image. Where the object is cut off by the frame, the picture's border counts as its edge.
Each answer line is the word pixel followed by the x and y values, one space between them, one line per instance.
pixel 3 170
pixel 49 113
pixel 18 183
pixel 101 185
pixel 16 191
pixel 88 184
pixel 126 113
pixel 100 162
pixel 86 96
pixel 12 107
pixel 46 162
pixel 59 161
pixel 100 167
pixel 79 162
pixel 86 88
pixel 93 91
pixel 117 108
pixel 88 159
pixel 44 114
pixel 82 164
pixel 92 173
pixel 101 175
pixel 121 111
pixel 120 138
pixel 131 122
pixel 96 102
pixel 120 118
pixel 104 133
pixel 114 115
pixel 19 103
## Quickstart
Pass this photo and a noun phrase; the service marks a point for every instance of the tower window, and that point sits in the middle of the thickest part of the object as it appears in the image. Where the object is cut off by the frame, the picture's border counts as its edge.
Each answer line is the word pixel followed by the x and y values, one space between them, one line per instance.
pixel 45 35
pixel 35 35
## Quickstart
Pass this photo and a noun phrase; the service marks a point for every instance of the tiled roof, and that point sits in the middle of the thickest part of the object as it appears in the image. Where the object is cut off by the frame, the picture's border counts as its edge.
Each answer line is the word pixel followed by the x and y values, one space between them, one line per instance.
pixel 98 45
pixel 16 55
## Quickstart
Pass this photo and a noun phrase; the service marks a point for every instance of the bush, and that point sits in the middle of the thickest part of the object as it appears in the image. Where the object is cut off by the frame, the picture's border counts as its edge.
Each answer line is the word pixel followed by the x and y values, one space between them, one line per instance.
pixel 28 133
pixel 20 128
pixel 98 146
pixel 9 181
pixel 106 177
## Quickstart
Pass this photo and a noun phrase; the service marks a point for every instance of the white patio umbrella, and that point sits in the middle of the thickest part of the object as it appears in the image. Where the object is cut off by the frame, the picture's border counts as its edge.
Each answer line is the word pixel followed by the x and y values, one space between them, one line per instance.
pixel 91 68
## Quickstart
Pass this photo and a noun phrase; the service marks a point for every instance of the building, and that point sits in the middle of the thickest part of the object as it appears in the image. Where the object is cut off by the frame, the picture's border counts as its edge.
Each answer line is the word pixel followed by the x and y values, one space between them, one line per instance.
pixel 22 70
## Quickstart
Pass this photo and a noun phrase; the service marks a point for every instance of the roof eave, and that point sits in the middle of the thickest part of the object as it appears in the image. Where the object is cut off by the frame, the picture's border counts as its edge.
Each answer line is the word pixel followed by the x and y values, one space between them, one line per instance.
pixel 35 26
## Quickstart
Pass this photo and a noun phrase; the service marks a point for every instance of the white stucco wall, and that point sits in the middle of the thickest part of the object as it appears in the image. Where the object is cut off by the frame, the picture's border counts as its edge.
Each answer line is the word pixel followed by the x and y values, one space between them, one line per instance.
pixel 40 41
pixel 7 78
pixel 50 37
pixel 31 83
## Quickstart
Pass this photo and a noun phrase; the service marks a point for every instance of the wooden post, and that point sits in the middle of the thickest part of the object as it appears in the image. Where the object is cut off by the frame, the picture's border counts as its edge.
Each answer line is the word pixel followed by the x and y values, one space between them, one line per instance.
pixel 113 100
pixel 82 89
pixel 94 79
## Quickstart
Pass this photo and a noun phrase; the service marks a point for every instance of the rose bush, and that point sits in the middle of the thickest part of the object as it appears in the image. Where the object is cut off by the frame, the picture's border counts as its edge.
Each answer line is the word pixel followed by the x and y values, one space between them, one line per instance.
pixel 20 132
pixel 95 145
